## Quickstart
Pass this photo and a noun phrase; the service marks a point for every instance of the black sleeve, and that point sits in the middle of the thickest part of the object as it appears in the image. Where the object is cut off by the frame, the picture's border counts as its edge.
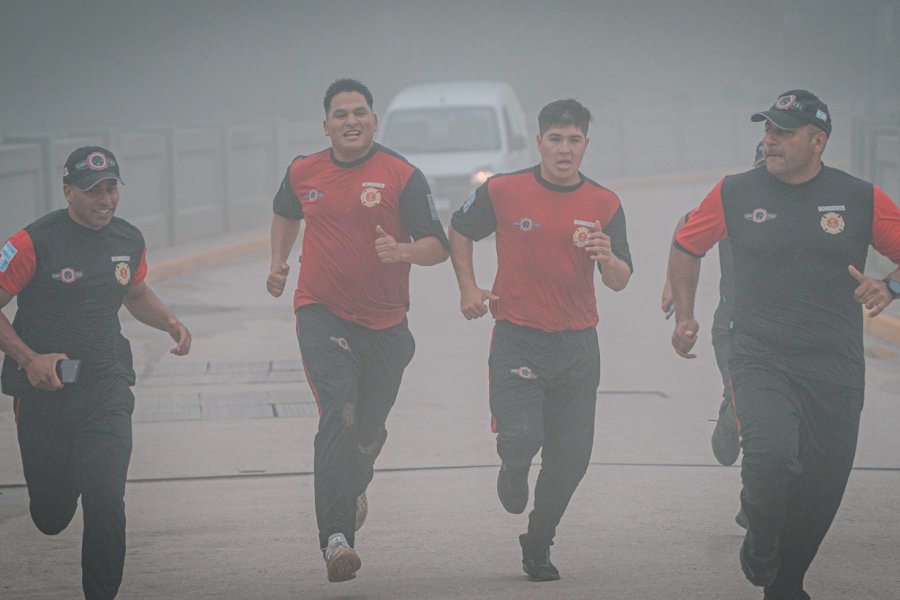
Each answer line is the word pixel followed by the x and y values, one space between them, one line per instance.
pixel 476 218
pixel 615 229
pixel 286 204
pixel 417 210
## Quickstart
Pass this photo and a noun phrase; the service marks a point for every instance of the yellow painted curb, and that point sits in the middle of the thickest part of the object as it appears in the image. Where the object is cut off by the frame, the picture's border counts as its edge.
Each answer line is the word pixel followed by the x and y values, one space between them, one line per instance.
pixel 884 327
pixel 186 265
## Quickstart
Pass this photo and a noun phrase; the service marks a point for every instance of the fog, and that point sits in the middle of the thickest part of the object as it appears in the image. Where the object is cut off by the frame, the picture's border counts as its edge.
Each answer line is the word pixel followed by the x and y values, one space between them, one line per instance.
pixel 170 62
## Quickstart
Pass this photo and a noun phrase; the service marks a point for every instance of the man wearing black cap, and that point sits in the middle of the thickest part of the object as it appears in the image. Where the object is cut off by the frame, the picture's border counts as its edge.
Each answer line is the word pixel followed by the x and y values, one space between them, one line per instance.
pixel 67 364
pixel 800 232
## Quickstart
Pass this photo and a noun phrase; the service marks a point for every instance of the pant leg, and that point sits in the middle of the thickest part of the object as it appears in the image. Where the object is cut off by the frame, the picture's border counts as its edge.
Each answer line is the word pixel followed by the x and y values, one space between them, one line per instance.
pixel 384 355
pixel 827 450
pixel 770 416
pixel 102 453
pixel 46 438
pixel 516 394
pixel 569 412
pixel 721 341
pixel 333 370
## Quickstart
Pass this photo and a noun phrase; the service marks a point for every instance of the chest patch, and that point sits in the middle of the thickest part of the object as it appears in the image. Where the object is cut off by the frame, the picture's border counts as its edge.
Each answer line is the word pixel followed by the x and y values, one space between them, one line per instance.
pixel 760 215
pixel 370 197
pixel 123 273
pixel 526 224
pixel 580 236
pixel 832 223
pixel 67 275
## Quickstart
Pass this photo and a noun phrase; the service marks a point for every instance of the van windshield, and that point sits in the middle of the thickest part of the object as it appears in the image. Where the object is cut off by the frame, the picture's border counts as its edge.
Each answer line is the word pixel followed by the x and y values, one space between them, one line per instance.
pixel 443 129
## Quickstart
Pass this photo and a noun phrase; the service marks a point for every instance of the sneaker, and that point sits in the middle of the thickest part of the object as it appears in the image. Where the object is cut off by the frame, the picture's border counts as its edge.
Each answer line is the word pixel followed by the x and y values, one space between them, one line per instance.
pixel 726 443
pixel 741 519
pixel 362 510
pixel 536 561
pixel 759 564
pixel 341 560
pixel 512 488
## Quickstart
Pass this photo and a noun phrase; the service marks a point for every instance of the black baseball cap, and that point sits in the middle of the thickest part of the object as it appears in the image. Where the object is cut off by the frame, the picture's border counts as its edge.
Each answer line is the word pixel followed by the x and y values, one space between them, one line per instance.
pixel 89 165
pixel 795 109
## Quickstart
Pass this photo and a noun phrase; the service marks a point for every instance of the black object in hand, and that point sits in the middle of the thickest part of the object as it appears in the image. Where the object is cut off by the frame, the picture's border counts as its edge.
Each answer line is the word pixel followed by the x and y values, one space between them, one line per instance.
pixel 68 369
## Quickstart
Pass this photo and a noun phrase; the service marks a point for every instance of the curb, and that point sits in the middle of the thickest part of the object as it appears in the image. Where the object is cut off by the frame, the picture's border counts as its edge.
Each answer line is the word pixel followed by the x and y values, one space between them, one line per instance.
pixel 884 327
pixel 185 265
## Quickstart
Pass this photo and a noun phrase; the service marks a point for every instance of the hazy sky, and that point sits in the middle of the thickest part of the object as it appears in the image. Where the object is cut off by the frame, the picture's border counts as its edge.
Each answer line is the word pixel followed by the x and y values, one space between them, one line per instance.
pixel 130 63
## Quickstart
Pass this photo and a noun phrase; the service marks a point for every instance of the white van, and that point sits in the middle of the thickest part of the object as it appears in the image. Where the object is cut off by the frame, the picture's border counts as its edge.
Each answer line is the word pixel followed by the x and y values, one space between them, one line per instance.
pixel 458 133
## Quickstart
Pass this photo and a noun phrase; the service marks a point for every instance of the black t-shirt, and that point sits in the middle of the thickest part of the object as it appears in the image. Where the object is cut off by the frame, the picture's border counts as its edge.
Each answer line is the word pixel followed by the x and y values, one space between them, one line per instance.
pixel 792 245
pixel 70 282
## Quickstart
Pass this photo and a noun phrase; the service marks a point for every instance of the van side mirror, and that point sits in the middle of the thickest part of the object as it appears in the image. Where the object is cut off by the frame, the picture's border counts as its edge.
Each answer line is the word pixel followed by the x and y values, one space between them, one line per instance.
pixel 516 141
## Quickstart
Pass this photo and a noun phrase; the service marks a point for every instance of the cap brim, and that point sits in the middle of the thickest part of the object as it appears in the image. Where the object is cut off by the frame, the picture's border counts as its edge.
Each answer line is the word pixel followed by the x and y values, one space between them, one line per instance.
pixel 780 119
pixel 89 180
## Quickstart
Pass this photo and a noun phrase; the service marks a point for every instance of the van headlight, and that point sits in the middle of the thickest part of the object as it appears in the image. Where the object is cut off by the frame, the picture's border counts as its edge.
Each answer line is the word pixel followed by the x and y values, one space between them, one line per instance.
pixel 481 176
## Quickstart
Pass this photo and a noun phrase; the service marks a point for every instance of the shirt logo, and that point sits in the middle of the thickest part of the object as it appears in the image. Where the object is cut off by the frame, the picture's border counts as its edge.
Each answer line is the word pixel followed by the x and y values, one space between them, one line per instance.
pixel 374 184
pixel 760 215
pixel 123 273
pixel 526 224
pixel 67 275
pixel 833 208
pixel 579 238
pixel 832 223
pixel 120 258
pixel 370 197
pixel 524 373
pixel 342 342
pixel 313 195
pixel 6 255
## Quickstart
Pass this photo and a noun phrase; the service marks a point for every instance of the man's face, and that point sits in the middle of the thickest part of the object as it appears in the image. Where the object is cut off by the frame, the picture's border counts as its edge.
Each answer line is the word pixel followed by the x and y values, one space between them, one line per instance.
pixel 94 208
pixel 562 148
pixel 793 155
pixel 351 125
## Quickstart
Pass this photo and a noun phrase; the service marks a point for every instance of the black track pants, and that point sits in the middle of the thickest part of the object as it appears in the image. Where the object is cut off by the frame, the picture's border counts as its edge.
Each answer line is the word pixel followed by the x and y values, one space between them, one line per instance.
pixel 543 394
pixel 77 442
pixel 799 441
pixel 355 374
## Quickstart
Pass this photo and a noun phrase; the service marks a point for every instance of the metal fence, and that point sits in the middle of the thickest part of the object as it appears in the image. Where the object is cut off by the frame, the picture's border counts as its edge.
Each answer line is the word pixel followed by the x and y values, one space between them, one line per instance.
pixel 181 184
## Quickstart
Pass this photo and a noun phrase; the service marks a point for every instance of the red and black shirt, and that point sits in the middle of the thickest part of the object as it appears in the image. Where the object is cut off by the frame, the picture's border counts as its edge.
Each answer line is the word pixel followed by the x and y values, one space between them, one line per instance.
pixel 545 278
pixel 342 204
pixel 792 245
pixel 70 282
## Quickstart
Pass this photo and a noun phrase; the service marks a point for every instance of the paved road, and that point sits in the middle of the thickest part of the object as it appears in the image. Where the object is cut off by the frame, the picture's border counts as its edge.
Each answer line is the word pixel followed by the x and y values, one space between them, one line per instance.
pixel 220 504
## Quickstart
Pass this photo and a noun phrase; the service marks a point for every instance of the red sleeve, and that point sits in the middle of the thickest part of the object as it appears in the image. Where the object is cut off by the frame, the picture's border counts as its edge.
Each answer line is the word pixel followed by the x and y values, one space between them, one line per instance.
pixel 141 271
pixel 17 263
pixel 886 226
pixel 705 225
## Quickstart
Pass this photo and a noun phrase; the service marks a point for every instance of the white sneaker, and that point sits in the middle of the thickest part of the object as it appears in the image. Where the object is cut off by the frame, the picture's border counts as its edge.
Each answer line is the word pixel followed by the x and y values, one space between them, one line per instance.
pixel 362 510
pixel 341 561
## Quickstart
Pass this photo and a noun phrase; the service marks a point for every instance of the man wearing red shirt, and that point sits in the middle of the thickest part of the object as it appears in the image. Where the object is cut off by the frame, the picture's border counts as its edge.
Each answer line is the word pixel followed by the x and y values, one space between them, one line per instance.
pixel 369 217
pixel 552 226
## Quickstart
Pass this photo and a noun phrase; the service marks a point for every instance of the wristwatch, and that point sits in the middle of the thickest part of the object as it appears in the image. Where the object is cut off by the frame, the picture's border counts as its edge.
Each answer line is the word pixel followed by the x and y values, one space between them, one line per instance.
pixel 893 287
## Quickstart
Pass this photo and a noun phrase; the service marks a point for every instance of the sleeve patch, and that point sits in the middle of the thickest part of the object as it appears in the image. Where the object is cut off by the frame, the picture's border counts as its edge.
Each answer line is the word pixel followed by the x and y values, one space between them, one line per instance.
pixel 6 255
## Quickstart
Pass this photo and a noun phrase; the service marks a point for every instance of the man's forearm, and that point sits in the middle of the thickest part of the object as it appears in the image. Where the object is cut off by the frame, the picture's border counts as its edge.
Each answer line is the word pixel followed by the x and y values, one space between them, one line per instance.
pixel 425 252
pixel 684 273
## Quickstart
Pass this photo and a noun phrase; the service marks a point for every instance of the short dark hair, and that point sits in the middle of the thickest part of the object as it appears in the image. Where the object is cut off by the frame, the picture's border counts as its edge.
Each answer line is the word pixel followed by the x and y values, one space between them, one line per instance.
pixel 346 84
pixel 563 113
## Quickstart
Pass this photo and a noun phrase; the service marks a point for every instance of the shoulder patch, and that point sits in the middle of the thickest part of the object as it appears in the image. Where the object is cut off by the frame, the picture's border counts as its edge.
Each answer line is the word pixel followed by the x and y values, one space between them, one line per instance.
pixel 6 255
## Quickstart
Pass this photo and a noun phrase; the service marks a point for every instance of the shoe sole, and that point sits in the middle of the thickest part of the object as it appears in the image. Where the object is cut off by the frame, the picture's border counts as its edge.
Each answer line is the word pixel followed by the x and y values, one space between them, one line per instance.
pixel 343 566
pixel 540 579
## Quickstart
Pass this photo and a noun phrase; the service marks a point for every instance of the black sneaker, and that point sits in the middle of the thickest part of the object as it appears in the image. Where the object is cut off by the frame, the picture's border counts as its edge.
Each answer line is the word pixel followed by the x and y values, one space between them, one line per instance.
pixel 536 561
pixel 726 443
pixel 512 488
pixel 759 562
